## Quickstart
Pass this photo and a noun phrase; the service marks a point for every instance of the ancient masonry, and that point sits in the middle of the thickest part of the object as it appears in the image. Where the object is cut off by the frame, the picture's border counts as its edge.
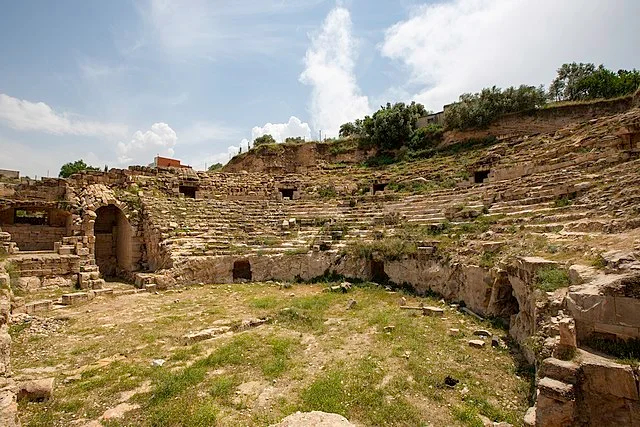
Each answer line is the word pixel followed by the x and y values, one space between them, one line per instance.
pixel 569 180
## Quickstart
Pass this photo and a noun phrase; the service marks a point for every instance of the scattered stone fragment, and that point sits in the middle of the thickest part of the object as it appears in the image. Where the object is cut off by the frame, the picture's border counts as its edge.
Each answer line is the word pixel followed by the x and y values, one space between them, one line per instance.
pixel 476 343
pixel 118 411
pixel 471 313
pixel 352 303
pixel 433 311
pixel 389 328
pixel 204 334
pixel 157 362
pixel 454 332
pixel 482 333
pixel 314 419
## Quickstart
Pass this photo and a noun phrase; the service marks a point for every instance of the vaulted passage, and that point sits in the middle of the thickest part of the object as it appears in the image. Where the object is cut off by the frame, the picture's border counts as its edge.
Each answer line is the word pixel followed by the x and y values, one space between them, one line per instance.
pixel 113 241
pixel 242 270
pixel 35 229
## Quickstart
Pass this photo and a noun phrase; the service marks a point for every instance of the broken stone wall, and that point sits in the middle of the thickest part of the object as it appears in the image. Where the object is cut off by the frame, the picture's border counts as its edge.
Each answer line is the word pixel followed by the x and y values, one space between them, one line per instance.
pixel 590 390
pixel 8 403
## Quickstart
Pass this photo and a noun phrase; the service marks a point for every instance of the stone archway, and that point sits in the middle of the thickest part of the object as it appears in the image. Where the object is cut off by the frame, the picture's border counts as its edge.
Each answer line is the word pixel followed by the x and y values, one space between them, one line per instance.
pixel 113 235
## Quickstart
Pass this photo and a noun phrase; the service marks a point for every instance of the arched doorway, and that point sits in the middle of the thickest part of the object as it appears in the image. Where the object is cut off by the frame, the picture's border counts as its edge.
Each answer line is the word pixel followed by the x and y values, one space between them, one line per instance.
pixel 242 270
pixel 113 241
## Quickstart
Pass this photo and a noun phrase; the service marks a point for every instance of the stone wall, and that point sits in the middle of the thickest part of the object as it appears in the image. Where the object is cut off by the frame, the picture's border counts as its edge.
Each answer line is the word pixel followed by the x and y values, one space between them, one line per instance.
pixel 546 120
pixel 294 158
pixel 8 403
pixel 35 237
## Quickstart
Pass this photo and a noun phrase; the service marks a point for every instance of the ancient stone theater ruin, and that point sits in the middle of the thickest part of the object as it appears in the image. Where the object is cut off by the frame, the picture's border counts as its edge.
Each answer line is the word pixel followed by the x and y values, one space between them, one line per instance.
pixel 528 241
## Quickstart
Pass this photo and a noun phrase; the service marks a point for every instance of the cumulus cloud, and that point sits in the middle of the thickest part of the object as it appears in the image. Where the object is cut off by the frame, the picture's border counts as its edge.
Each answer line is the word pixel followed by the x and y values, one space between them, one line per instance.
pixel 280 131
pixel 329 70
pixel 143 147
pixel 465 45
pixel 25 115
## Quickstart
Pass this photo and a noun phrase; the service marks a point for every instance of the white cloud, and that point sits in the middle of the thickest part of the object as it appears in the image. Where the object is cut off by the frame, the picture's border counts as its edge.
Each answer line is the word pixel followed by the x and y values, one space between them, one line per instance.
pixel 207 132
pixel 329 70
pixel 143 147
pixel 206 28
pixel 280 131
pixel 465 45
pixel 38 116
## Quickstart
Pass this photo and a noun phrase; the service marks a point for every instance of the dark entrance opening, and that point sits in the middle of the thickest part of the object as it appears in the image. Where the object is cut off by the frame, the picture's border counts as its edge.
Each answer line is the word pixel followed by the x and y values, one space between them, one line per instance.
pixel 504 303
pixel 377 272
pixel 480 176
pixel 287 193
pixel 379 187
pixel 113 241
pixel 188 191
pixel 242 270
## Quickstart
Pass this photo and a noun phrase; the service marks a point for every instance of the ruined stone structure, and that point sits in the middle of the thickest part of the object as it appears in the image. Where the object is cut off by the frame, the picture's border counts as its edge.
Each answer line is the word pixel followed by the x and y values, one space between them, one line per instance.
pixel 477 227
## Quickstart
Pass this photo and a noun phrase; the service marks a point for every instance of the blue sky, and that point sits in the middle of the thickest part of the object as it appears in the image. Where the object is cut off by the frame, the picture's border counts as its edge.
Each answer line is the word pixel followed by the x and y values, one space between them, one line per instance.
pixel 118 82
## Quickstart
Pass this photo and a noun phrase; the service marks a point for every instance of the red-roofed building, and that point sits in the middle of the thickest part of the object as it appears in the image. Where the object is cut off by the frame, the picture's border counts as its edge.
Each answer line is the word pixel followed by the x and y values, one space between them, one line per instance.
pixel 165 162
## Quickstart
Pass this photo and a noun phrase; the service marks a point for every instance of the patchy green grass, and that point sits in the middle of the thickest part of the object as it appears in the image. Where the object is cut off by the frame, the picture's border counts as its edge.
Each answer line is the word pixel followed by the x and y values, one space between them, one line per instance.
pixel 374 363
pixel 551 278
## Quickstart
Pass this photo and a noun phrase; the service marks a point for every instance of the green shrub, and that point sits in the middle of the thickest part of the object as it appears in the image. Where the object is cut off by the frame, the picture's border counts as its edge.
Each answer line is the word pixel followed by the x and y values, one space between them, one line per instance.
pixel 426 138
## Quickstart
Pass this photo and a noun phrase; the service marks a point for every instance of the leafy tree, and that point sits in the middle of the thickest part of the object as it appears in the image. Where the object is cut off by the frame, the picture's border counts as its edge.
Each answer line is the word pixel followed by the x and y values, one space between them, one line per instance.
pixel 577 82
pixel 214 167
pixel 70 168
pixel 392 125
pixel 480 109
pixel 349 129
pixel 264 139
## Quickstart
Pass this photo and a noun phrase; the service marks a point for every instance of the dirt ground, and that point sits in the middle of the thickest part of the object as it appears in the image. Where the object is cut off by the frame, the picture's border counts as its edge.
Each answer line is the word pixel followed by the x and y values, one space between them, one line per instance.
pixel 124 361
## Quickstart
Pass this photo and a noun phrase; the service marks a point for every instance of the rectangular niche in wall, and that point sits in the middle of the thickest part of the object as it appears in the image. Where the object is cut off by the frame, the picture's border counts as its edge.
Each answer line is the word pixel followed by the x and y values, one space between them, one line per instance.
pixel 287 193
pixel 480 176
pixel 379 187
pixel 188 191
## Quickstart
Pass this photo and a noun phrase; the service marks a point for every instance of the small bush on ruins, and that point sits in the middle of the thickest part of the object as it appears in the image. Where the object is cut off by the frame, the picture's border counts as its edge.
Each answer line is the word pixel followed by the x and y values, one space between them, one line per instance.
pixel 580 82
pixel 264 139
pixel 551 278
pixel 478 110
pixel 215 167
pixel 294 140
pixel 426 138
pixel 70 168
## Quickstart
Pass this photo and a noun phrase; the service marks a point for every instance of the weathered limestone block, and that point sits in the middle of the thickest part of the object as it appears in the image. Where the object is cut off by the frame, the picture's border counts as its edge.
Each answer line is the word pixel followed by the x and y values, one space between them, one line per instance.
pixel 560 370
pixel 29 283
pixel 38 306
pixel 5 351
pixel 36 390
pixel 554 413
pixel 556 390
pixel 8 404
pixel 602 376
pixel 567 328
pixel 74 298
